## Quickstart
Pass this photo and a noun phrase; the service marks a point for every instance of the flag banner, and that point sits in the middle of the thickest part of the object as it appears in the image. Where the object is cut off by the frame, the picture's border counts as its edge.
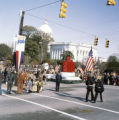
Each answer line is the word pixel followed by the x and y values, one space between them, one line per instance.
pixel 20 47
pixel 90 61
pixel 19 58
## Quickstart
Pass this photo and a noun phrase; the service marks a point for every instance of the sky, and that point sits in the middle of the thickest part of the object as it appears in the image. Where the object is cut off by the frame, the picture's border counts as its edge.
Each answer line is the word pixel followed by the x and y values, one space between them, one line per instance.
pixel 84 20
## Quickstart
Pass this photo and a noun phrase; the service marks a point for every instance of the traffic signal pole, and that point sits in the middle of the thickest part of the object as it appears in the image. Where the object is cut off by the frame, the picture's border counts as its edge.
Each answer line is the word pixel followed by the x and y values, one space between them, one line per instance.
pixel 21 22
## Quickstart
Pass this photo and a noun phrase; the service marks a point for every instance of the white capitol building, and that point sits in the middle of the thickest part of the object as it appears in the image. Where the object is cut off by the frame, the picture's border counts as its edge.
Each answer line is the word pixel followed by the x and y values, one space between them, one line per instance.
pixel 79 50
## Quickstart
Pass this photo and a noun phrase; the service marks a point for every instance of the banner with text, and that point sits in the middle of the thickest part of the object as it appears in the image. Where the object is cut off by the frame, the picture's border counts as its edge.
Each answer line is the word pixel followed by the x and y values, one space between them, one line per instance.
pixel 20 47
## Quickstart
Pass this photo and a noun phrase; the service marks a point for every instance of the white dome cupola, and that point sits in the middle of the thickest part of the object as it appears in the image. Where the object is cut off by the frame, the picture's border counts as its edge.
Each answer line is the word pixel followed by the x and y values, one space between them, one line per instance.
pixel 45 28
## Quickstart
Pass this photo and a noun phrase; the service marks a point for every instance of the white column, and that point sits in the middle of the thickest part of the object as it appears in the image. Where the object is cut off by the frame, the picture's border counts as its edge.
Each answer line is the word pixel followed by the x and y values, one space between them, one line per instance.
pixel 55 54
pixel 52 54
pixel 58 54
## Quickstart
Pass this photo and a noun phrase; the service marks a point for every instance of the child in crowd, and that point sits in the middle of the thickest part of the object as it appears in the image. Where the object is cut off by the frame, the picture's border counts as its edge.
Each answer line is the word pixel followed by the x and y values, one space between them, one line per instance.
pixel 39 86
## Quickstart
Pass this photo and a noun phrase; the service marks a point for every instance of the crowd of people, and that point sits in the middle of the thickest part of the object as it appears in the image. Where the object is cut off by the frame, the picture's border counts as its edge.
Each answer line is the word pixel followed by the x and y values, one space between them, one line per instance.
pixel 109 78
pixel 32 81
pixel 28 79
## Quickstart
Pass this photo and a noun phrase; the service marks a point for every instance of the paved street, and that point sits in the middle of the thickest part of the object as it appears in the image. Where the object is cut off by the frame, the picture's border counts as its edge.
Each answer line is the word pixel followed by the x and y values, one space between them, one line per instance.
pixel 68 104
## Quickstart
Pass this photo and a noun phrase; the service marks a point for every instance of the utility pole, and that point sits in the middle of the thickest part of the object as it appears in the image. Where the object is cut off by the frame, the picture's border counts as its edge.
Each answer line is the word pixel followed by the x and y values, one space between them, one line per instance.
pixel 21 22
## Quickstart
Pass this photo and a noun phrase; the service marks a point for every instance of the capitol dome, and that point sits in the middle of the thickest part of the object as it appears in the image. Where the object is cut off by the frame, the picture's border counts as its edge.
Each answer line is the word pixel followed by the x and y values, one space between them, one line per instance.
pixel 45 28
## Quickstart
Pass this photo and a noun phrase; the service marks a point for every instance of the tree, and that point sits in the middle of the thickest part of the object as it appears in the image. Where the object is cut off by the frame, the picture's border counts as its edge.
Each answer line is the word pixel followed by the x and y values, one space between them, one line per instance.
pixel 5 51
pixel 112 64
pixel 31 49
pixel 112 59
pixel 36 47
pixel 29 30
pixel 66 54
pixel 100 66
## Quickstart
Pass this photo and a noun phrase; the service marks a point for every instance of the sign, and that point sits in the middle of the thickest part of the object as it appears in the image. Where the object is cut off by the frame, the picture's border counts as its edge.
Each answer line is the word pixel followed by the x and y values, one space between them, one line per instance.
pixel 20 47
pixel 20 43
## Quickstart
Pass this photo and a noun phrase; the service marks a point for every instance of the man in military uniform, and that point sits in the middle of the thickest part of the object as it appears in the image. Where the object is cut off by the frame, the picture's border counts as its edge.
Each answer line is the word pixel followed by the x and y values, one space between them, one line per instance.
pixel 10 80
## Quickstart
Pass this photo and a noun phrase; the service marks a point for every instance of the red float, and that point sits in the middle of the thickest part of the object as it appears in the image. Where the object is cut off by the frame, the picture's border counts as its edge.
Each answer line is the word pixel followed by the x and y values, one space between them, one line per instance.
pixel 68 65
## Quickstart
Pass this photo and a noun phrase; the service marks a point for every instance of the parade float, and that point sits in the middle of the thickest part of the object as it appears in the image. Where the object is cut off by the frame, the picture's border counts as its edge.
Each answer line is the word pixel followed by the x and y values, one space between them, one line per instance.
pixel 67 72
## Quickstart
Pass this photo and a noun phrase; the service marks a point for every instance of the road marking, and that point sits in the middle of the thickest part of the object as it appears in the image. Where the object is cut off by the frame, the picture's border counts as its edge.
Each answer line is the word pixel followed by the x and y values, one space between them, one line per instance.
pixel 49 108
pixel 104 109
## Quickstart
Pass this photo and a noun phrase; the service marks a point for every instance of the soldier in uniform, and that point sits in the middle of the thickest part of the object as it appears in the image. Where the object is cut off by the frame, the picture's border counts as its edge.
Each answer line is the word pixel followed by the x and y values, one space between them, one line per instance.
pixel 10 80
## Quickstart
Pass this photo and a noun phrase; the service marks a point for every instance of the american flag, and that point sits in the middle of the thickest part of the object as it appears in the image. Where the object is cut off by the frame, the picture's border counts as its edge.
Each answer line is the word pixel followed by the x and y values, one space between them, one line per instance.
pixel 90 61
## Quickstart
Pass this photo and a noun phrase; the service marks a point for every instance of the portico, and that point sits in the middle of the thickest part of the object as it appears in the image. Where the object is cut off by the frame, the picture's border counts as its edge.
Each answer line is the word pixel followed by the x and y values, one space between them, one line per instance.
pixel 80 51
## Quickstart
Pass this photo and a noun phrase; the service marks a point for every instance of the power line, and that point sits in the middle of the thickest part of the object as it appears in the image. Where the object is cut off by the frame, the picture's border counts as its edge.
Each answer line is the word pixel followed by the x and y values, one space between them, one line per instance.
pixel 42 6
pixel 68 27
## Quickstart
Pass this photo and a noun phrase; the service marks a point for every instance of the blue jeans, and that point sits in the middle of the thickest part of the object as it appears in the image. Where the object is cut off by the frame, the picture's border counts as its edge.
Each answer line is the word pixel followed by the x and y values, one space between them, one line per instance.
pixel 0 89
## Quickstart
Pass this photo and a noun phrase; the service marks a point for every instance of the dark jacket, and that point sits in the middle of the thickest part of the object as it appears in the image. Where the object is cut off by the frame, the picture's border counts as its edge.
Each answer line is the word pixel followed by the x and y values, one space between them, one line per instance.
pixel 99 87
pixel 89 82
pixel 58 78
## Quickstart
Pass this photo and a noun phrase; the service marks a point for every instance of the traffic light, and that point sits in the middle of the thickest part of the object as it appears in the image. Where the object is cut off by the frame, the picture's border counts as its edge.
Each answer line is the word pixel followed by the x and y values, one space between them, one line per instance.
pixel 107 44
pixel 63 10
pixel 111 2
pixel 96 41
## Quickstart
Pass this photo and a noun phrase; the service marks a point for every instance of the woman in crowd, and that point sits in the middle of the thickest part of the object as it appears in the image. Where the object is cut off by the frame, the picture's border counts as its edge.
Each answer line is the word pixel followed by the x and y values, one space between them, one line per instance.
pixel 99 88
